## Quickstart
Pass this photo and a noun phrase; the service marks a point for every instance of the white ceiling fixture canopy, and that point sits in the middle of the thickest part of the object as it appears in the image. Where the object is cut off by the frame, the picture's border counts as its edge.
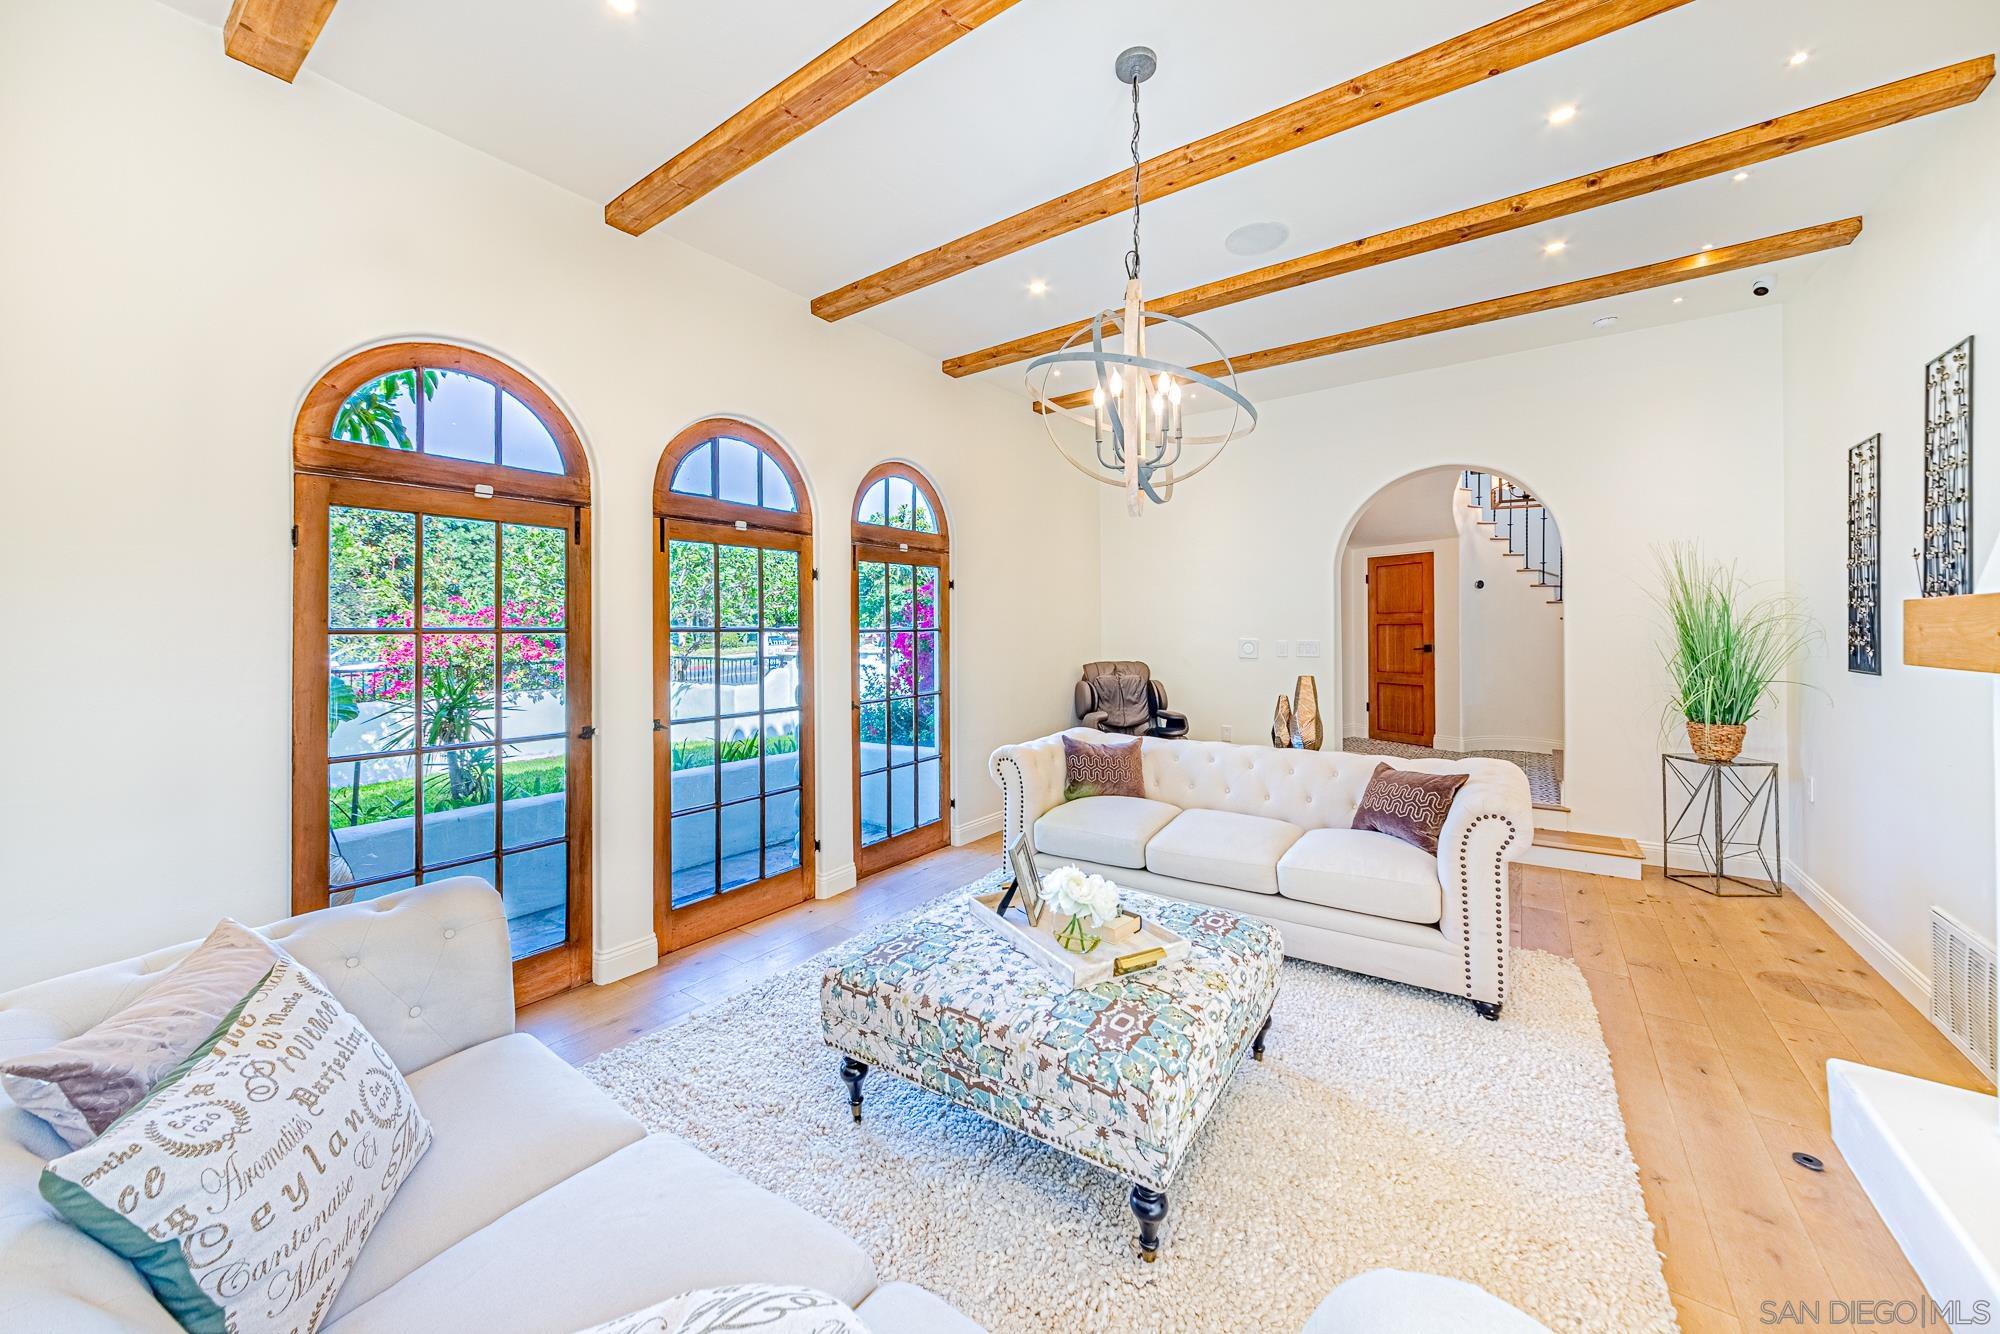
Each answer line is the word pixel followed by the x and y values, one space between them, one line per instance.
pixel 1136 408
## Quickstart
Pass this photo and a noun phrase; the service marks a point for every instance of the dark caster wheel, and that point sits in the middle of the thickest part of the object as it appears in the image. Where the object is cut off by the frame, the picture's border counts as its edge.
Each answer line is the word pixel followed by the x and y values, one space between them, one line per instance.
pixel 853 1072
pixel 1150 1208
pixel 1487 1009
pixel 1257 1043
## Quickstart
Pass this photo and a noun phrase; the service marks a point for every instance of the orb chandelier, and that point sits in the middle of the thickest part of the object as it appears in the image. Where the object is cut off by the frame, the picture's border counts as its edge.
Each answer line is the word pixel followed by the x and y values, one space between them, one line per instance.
pixel 1137 404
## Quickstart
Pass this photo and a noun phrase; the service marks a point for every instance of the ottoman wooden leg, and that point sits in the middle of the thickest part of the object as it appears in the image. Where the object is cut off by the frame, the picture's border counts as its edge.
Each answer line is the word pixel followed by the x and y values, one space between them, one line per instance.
pixel 1150 1208
pixel 853 1072
pixel 1257 1044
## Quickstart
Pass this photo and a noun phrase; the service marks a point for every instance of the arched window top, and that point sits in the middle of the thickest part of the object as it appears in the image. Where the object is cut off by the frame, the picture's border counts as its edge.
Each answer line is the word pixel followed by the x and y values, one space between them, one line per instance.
pixel 896 503
pixel 437 414
pixel 723 470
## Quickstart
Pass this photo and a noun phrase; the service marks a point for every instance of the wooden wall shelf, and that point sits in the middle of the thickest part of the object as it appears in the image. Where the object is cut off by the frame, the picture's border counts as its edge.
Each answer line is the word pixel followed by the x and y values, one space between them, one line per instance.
pixel 1960 633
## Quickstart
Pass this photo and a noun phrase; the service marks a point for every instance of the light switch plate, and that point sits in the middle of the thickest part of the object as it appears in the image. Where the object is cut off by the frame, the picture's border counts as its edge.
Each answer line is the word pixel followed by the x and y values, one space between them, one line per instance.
pixel 1246 648
pixel 1228 732
pixel 1284 648
pixel 1308 648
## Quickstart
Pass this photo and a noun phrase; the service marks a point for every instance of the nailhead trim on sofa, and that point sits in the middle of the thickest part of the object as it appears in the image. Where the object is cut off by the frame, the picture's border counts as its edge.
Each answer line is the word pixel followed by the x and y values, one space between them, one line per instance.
pixel 1465 900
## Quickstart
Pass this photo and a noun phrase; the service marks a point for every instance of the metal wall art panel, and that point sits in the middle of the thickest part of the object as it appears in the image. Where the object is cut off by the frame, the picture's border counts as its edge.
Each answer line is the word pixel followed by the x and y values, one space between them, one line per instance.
pixel 1864 557
pixel 1945 559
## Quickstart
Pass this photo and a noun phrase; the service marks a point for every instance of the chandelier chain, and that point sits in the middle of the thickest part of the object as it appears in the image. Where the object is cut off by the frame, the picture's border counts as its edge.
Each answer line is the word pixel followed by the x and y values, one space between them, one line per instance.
pixel 1132 259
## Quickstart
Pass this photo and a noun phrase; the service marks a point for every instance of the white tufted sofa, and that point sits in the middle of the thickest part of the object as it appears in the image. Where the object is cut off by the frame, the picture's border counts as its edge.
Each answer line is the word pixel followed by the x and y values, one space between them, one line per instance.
pixel 541 1207
pixel 1268 833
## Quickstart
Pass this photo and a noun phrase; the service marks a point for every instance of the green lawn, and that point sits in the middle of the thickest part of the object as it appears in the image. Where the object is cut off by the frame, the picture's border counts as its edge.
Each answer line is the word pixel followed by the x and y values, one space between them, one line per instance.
pixel 392 798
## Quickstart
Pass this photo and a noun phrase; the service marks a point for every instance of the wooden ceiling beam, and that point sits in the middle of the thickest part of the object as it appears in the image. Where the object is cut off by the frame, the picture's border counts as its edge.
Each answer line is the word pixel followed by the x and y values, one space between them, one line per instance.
pixel 1521 38
pixel 1703 264
pixel 274 35
pixel 902 36
pixel 1891 104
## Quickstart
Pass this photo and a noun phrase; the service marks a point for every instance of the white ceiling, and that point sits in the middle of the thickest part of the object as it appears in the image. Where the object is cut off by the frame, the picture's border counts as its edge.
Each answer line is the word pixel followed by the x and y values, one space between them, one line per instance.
pixel 1026 108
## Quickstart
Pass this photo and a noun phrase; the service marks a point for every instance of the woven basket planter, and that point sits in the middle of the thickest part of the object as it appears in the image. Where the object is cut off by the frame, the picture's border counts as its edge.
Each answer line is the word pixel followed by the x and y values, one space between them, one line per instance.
pixel 1717 743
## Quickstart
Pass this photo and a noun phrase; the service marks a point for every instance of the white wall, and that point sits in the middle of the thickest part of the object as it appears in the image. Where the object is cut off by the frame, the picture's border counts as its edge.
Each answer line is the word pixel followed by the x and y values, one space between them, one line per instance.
pixel 186 243
pixel 1636 439
pixel 1902 764
pixel 1513 687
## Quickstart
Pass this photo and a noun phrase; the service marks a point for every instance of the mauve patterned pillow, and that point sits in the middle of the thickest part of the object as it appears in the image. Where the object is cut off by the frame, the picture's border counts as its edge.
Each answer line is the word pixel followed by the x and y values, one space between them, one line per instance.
pixel 764 1307
pixel 1101 771
pixel 1408 805
pixel 84 1084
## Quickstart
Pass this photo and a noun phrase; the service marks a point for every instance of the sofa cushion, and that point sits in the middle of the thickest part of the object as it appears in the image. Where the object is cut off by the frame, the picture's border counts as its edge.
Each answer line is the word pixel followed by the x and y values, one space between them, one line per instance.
pixel 1408 805
pixel 1222 848
pixel 904 1308
pixel 510 1119
pixel 1363 872
pixel 1112 830
pixel 1109 769
pixel 653 1220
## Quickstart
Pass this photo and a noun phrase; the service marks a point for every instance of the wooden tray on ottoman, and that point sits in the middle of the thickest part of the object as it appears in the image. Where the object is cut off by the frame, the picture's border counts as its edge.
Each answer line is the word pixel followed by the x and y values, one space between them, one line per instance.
pixel 1079 970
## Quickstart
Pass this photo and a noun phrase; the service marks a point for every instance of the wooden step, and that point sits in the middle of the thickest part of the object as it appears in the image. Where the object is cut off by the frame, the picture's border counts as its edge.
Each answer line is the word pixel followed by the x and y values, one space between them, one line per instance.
pixel 1575 840
pixel 1573 850
pixel 1551 806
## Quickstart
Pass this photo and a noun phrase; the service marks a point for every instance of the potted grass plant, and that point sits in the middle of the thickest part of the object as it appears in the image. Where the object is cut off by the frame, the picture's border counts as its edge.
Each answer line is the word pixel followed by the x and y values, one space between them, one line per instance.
pixel 1727 646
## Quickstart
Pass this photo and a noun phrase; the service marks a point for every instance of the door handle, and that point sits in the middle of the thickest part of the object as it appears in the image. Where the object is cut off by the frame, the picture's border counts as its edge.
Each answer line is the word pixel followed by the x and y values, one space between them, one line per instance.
pixel 1425 648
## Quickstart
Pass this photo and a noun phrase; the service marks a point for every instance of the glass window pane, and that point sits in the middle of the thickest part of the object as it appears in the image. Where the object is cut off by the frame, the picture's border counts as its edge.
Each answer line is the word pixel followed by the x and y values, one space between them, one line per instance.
pixel 696 474
pixel 458 804
pixel 739 754
pixel 459 692
pixel 341 897
pixel 691 747
pixel 459 563
pixel 737 569
pixel 742 843
pixel 874 807
pixel 781 832
pixel 781 588
pixel 459 420
pixel 524 441
pixel 371 819
pixel 533 801
pixel 371 691
pixel 921 518
pixel 871 598
pixel 691 840
pixel 927 597
pixel 900 496
pixel 927 729
pixel 531 685
pixel 872 655
pixel 874 505
pixel 371 568
pixel 690 675
pixel 781 669
pixel 927 792
pixel 902 664
pixel 382 412
pixel 739 673
pixel 535 888
pixel 736 471
pixel 534 574
pixel 778 488
pixel 902 731
pixel 781 750
pixel 691 583
pixel 927 648
pixel 902 800
pixel 874 737
pixel 902 605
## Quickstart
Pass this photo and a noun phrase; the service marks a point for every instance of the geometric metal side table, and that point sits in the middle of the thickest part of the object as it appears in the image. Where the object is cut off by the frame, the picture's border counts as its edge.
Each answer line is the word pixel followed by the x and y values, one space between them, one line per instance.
pixel 1723 811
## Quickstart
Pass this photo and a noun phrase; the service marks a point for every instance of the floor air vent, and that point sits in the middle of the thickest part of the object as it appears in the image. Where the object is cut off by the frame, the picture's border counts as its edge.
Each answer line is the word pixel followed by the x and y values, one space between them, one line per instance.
pixel 1962 988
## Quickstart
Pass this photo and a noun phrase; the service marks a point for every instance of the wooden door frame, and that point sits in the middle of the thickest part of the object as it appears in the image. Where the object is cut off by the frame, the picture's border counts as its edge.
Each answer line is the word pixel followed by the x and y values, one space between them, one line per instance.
pixel 1428 558
pixel 676 928
pixel 313 496
pixel 899 848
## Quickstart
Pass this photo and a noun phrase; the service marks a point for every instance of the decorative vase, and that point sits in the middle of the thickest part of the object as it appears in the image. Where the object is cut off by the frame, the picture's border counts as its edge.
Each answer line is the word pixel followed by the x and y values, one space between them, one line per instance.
pixel 1306 730
pixel 1718 743
pixel 1073 937
pixel 1281 724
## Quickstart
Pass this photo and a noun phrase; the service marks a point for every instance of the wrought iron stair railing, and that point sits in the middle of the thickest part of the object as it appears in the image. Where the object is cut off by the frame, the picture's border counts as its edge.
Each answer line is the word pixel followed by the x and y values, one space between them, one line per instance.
pixel 1522 522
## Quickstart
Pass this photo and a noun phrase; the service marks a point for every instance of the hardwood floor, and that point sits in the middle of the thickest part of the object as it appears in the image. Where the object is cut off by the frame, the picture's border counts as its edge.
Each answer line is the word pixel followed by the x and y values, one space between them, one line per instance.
pixel 1720 1015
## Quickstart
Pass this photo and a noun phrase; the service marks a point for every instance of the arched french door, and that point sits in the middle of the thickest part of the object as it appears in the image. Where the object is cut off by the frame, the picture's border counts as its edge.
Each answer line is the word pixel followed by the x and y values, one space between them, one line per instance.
pixel 902 688
pixel 732 682
pixel 441 646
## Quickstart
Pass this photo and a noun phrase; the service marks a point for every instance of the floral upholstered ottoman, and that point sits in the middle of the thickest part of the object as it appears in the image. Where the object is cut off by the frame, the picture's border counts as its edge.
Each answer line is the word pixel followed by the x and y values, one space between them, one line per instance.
pixel 1121 1074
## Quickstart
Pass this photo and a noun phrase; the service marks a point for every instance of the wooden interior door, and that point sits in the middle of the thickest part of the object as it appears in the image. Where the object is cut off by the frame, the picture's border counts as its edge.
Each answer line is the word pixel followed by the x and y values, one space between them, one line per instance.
pixel 1402 656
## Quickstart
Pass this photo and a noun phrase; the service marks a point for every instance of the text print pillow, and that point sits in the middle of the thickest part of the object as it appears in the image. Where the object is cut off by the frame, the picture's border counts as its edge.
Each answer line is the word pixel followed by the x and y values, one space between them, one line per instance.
pixel 245 1184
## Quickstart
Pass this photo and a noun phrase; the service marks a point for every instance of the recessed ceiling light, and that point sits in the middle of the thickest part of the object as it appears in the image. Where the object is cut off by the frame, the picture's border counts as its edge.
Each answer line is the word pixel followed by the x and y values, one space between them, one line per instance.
pixel 1708 245
pixel 1256 238
pixel 1679 299
pixel 1038 287
pixel 623 6
pixel 1740 176
pixel 1604 321
pixel 1555 247
pixel 1799 58
pixel 1563 114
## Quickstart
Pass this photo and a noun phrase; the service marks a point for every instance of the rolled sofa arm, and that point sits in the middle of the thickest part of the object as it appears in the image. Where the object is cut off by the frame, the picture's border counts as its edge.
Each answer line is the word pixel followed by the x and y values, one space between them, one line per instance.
pixel 1491 822
pixel 1030 776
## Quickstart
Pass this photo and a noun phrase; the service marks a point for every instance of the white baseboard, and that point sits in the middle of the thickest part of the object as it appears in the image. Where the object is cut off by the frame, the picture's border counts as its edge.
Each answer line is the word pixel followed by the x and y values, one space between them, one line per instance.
pixel 971 831
pixel 1884 958
pixel 834 880
pixel 1540 745
pixel 1593 863
pixel 622 961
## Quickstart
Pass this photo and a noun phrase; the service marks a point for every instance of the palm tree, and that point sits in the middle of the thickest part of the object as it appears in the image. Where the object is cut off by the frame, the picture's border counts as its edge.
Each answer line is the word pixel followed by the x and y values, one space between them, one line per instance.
pixel 369 415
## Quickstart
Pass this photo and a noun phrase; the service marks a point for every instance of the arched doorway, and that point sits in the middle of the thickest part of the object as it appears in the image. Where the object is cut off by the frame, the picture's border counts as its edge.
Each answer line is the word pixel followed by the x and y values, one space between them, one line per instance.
pixel 732 682
pixel 441 650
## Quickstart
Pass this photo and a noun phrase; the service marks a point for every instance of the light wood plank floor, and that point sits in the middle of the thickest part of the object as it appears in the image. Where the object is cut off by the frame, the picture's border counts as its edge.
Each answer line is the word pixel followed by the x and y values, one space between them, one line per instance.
pixel 1720 1016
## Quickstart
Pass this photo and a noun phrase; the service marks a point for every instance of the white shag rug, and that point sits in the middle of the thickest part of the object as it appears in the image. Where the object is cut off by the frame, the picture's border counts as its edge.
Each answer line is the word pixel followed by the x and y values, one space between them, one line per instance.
pixel 1387 1126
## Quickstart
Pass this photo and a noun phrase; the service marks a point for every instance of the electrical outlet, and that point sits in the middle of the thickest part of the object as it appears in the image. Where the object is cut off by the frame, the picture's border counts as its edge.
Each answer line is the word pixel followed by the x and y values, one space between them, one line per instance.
pixel 1228 732
pixel 1308 648
pixel 1284 648
pixel 1246 648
